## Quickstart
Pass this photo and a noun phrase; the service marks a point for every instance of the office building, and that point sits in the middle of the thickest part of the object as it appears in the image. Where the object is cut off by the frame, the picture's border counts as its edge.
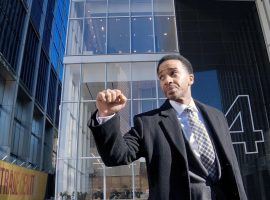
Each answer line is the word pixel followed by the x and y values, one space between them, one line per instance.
pixel 116 44
pixel 32 43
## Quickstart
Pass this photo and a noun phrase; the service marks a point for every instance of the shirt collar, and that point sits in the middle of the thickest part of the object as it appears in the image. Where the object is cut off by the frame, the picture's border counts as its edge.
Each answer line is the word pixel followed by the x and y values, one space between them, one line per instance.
pixel 181 107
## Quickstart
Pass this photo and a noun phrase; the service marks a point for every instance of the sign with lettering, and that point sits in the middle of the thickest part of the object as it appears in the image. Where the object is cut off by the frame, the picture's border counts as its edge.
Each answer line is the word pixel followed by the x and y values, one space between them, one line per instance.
pixel 18 183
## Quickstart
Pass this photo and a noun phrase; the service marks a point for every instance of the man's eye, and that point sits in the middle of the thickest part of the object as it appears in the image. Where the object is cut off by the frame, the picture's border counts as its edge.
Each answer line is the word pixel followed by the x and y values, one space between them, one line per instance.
pixel 173 73
pixel 161 78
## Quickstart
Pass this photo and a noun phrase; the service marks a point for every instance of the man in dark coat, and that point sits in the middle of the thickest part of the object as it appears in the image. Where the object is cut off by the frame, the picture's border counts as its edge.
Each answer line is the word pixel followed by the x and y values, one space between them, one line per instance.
pixel 186 144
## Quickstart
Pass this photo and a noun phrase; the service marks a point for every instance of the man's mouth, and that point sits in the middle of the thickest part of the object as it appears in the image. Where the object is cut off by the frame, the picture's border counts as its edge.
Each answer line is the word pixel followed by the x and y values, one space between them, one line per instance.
pixel 170 89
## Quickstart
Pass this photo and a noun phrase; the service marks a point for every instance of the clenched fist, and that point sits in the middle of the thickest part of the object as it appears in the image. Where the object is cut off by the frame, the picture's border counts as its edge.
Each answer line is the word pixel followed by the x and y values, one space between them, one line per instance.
pixel 110 102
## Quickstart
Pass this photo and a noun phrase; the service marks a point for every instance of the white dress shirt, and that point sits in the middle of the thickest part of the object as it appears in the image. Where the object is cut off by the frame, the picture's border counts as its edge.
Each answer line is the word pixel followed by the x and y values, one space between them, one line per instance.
pixel 182 116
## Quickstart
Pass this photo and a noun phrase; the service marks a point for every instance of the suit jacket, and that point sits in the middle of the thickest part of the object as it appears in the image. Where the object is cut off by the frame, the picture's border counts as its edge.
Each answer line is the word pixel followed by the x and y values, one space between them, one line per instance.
pixel 157 136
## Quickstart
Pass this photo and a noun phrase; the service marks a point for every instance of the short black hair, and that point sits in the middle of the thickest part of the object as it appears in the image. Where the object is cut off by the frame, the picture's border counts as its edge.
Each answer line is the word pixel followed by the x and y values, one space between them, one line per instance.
pixel 179 57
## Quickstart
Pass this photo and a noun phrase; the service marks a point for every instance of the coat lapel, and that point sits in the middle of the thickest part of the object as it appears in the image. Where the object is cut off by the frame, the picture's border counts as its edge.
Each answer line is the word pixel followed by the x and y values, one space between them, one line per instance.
pixel 172 129
pixel 214 122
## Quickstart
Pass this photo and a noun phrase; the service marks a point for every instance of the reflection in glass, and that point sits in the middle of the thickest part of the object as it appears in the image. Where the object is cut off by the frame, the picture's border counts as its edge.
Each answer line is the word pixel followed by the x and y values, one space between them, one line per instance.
pixel 163 7
pixel 5 119
pixel 97 183
pixel 94 8
pixel 48 146
pixel 160 92
pixel 88 146
pixel 165 34
pixel 140 106
pixel 84 135
pixel 74 44
pixel 143 84
pixel 93 80
pixel 207 83
pixel 90 90
pixel 35 150
pixel 77 9
pixel 118 35
pixel 118 77
pixel 84 173
pixel 142 35
pixel 72 82
pixel 118 8
pixel 68 130
pixel 139 7
pixel 94 36
pixel 65 185
pixel 119 182
pixel 118 72
pixel 143 89
pixel 125 119
pixel 141 182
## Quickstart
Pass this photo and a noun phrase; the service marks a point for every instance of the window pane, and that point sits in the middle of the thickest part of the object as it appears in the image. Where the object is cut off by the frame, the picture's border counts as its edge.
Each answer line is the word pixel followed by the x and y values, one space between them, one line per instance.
pixel 86 142
pixel 34 152
pixel 77 9
pixel 69 130
pixel 66 171
pixel 141 7
pixel 6 107
pixel 160 92
pixel 118 72
pixel 118 77
pixel 148 69
pixel 118 35
pixel 93 78
pixel 84 184
pixel 163 7
pixel 142 35
pixel 5 119
pixel 74 37
pixel 71 83
pixel 88 109
pixel 143 84
pixel 125 119
pixel 140 106
pixel 94 36
pixel 94 8
pixel 143 89
pixel 141 181
pixel 118 8
pixel 96 178
pixel 37 124
pixel 165 34
pixel 119 182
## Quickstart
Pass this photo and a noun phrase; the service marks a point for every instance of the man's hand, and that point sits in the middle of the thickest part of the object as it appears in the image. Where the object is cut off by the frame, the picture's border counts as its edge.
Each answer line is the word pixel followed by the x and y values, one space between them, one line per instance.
pixel 110 102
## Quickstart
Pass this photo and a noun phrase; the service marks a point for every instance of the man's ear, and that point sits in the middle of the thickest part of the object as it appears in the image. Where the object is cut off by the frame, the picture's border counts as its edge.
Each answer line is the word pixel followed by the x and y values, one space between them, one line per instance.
pixel 191 79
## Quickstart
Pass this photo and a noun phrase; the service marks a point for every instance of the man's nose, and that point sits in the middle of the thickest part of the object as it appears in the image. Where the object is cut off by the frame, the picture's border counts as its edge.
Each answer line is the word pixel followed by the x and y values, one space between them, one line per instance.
pixel 168 80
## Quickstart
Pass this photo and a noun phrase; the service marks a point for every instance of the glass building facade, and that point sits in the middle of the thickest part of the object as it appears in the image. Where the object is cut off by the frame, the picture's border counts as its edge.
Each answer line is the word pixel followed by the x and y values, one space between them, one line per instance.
pixel 32 43
pixel 116 44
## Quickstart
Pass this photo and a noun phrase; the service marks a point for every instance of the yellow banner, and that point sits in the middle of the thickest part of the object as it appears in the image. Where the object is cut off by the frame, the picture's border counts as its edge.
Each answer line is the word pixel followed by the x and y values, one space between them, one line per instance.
pixel 19 183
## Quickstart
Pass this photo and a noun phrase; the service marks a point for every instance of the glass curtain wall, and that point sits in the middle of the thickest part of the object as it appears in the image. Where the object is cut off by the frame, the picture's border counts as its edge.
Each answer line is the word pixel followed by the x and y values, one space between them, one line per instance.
pixel 121 27
pixel 80 169
pixel 109 27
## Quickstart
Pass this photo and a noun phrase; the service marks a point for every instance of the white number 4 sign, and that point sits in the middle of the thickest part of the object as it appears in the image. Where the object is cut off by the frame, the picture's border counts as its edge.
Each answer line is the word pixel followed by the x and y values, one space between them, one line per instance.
pixel 241 125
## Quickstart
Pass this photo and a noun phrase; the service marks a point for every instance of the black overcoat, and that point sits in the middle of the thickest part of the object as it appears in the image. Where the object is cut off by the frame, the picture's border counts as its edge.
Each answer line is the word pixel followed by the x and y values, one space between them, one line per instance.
pixel 157 136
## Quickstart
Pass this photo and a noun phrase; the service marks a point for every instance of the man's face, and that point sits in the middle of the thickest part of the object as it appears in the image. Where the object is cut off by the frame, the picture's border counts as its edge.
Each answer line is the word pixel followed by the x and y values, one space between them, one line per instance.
pixel 175 81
